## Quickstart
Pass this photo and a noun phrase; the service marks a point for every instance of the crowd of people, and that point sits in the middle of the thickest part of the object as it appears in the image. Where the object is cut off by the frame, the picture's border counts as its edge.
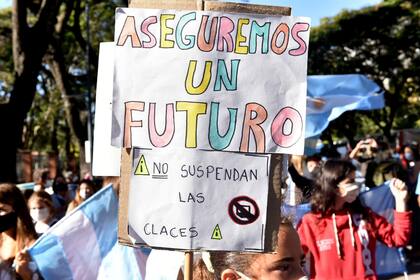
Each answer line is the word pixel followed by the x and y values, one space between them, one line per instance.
pixel 26 215
pixel 338 235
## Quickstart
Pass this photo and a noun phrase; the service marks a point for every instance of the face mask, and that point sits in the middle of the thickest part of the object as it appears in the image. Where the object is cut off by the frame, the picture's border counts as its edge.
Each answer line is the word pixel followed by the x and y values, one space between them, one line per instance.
pixel 83 194
pixel 8 221
pixel 409 156
pixel 351 192
pixel 40 215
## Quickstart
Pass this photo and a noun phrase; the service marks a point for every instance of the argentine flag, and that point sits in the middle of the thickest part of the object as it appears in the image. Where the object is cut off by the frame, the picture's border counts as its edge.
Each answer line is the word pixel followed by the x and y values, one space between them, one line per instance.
pixel 83 245
pixel 329 96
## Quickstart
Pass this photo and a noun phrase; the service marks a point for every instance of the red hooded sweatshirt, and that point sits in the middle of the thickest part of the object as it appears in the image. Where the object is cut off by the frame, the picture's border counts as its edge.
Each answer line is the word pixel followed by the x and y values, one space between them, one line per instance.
pixel 344 248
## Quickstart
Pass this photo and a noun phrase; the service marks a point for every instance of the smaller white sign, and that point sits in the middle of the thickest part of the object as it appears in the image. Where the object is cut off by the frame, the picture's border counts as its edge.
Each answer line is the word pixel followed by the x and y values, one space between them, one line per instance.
pixel 198 200
pixel 106 158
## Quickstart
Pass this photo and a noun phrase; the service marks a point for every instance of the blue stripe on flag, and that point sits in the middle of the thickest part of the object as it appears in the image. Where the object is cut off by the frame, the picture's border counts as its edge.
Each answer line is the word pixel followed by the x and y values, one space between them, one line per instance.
pixel 51 256
pixel 103 204
pixel 339 93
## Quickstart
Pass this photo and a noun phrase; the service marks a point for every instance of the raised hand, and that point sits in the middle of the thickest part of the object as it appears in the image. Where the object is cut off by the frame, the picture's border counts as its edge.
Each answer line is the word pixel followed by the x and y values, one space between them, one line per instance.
pixel 400 192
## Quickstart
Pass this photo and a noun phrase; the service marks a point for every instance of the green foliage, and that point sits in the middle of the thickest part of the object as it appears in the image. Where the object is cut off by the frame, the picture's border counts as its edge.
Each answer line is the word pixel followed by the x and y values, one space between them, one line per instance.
pixel 6 62
pixel 46 127
pixel 383 43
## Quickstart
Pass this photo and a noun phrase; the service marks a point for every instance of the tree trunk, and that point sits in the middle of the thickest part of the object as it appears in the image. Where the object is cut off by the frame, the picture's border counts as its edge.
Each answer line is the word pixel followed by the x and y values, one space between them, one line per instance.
pixel 8 143
pixel 29 46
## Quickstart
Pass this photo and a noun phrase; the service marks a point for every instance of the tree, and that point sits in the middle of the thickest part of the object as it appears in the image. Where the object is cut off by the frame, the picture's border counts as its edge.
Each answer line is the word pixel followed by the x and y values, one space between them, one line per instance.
pixel 49 44
pixel 382 42
pixel 30 40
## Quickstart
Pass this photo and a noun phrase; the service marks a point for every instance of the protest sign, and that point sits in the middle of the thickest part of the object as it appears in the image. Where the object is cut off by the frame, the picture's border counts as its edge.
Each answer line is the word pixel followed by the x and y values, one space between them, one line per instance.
pixel 277 167
pixel 106 158
pixel 209 80
pixel 198 200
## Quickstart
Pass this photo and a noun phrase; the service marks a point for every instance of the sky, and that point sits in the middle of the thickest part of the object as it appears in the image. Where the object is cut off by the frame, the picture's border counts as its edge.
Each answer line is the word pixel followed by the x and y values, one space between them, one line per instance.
pixel 317 9
pixel 314 9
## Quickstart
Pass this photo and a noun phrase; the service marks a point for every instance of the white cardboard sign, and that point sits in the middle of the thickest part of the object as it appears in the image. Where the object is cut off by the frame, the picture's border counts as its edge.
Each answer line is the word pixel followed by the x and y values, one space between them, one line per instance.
pixel 194 199
pixel 210 80
pixel 106 158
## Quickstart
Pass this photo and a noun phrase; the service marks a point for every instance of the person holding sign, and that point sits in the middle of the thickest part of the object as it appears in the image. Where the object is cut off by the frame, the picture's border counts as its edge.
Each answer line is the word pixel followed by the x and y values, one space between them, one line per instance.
pixel 285 264
pixel 341 234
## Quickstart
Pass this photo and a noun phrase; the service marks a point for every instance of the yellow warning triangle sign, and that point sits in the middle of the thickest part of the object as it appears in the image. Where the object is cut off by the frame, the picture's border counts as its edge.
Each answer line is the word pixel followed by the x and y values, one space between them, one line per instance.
pixel 217 234
pixel 142 167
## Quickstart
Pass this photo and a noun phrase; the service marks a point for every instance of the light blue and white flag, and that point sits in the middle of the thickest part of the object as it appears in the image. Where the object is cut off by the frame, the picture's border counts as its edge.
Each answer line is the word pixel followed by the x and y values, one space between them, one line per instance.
pixel 83 245
pixel 329 96
pixel 381 201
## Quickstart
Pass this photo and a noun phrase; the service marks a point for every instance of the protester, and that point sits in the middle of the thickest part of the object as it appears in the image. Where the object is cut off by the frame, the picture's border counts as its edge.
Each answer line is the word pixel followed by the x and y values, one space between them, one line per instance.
pixel 340 234
pixel 72 183
pixel 60 196
pixel 313 165
pixel 306 181
pixel 40 177
pixel 417 192
pixel 410 160
pixel 85 189
pixel 286 263
pixel 364 158
pixel 16 234
pixel 41 210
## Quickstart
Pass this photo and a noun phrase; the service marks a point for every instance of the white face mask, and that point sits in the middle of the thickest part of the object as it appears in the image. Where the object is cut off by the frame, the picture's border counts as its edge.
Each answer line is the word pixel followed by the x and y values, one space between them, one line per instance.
pixel 83 194
pixel 351 192
pixel 40 215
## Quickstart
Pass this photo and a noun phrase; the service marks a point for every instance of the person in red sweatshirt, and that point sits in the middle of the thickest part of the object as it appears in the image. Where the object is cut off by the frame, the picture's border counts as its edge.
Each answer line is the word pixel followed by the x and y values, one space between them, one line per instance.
pixel 340 234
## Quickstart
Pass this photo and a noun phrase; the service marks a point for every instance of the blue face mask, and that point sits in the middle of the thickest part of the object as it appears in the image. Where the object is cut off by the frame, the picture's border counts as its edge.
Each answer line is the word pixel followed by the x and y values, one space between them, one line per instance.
pixel 409 156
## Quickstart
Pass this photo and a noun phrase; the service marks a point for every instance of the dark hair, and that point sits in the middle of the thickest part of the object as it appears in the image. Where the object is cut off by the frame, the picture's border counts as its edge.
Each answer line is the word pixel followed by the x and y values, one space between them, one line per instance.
pixel 40 175
pixel 45 198
pixel 87 182
pixel 332 173
pixel 221 261
pixel 59 184
pixel 78 199
pixel 25 232
pixel 414 149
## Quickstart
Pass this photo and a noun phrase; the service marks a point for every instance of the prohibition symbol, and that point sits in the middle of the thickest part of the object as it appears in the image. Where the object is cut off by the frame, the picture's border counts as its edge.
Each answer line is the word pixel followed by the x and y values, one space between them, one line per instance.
pixel 243 210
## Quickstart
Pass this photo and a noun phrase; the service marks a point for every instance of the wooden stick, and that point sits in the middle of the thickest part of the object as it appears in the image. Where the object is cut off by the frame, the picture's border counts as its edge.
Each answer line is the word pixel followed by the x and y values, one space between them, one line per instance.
pixel 188 266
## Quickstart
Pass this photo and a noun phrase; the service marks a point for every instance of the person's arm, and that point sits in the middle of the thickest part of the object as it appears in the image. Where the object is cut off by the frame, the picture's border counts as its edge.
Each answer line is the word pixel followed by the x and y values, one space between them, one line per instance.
pixel 400 192
pixel 354 152
pixel 393 235
pixel 303 183
pixel 398 233
pixel 22 267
